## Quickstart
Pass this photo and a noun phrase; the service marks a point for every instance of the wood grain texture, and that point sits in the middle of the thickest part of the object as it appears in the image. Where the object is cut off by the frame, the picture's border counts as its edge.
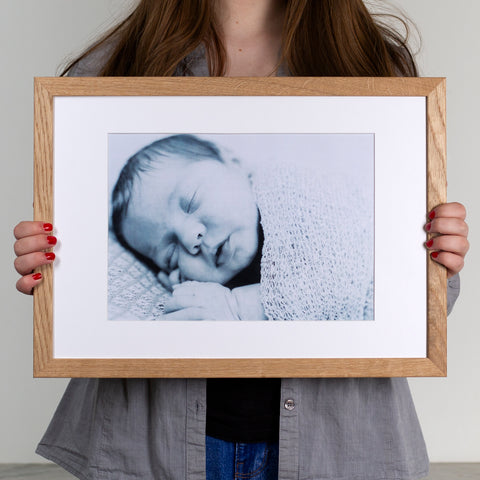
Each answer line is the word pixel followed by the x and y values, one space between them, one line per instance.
pixel 249 86
pixel 240 368
pixel 437 194
pixel 43 211
pixel 433 89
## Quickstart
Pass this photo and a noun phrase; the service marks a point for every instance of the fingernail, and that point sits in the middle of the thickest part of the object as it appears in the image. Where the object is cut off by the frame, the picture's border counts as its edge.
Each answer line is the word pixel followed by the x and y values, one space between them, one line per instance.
pixel 431 215
pixel 51 240
pixel 429 243
pixel 48 227
pixel 434 254
pixel 37 276
pixel 428 226
pixel 50 256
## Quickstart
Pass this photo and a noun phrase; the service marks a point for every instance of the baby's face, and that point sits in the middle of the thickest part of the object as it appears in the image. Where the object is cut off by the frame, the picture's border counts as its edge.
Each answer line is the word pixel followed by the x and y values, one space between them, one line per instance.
pixel 199 218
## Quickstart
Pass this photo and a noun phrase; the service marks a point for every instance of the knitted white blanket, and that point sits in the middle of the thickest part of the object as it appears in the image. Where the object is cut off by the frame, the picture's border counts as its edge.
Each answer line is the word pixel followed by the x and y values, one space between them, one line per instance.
pixel 317 259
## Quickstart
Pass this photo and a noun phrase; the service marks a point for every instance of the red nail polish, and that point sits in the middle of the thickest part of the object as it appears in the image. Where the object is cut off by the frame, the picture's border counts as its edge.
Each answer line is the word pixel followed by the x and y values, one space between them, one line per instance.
pixel 434 254
pixel 51 240
pixel 431 215
pixel 37 276
pixel 50 256
pixel 48 227
pixel 429 243
pixel 428 226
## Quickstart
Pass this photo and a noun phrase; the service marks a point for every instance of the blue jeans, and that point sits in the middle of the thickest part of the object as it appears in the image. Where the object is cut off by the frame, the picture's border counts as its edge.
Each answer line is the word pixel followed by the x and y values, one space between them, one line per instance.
pixel 241 461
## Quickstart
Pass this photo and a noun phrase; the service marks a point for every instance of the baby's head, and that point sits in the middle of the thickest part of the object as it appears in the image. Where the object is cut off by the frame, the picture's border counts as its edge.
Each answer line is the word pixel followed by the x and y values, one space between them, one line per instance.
pixel 179 204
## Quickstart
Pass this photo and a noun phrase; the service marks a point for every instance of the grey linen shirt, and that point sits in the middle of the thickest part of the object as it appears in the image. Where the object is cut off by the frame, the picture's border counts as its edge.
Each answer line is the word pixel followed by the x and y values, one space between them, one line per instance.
pixel 154 429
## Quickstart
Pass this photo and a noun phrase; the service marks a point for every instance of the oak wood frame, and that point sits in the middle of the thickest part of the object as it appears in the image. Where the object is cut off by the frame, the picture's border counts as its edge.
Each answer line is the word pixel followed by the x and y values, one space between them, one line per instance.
pixel 433 89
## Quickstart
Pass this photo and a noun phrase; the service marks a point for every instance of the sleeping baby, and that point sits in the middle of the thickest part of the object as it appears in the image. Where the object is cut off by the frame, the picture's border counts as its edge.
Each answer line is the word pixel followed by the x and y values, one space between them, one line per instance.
pixel 232 244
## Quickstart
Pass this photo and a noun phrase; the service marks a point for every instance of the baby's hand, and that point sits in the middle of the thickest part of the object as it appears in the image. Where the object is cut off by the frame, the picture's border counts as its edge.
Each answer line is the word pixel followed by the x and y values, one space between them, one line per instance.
pixel 450 246
pixel 201 301
pixel 168 281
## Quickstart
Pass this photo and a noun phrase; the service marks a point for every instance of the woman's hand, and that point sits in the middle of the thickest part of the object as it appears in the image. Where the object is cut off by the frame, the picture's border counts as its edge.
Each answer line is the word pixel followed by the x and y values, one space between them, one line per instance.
pixel 450 245
pixel 33 241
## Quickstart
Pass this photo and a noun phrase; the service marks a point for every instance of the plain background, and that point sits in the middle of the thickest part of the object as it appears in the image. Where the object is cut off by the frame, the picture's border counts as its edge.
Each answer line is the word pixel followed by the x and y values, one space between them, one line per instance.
pixel 36 36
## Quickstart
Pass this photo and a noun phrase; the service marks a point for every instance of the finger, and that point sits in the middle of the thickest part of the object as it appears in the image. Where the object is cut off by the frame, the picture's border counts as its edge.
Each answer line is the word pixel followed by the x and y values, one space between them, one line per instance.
pixel 453 263
pixel 448 226
pixel 35 243
pixel 27 229
pixel 453 209
pixel 178 302
pixel 449 243
pixel 191 313
pixel 187 288
pixel 26 263
pixel 163 278
pixel 27 283
pixel 175 277
pixel 199 288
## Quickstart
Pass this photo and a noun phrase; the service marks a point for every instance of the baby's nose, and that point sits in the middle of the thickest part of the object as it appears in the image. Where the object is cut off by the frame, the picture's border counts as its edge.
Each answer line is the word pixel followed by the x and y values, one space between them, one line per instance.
pixel 192 237
pixel 197 244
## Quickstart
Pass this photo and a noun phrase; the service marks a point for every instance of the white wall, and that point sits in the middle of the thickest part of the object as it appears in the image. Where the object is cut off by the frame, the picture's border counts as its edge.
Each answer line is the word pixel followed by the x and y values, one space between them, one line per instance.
pixel 449 409
pixel 36 36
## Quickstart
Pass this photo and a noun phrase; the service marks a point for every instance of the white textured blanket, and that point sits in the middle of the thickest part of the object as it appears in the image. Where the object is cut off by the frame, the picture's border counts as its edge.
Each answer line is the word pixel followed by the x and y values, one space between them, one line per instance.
pixel 317 259
pixel 134 293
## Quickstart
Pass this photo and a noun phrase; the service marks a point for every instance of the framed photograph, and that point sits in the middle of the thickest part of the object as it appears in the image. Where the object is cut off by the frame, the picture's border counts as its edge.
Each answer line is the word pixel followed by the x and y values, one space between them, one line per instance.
pixel 240 227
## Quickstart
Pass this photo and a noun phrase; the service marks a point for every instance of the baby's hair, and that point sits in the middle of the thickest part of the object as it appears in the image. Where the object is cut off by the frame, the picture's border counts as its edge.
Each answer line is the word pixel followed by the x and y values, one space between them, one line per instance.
pixel 153 157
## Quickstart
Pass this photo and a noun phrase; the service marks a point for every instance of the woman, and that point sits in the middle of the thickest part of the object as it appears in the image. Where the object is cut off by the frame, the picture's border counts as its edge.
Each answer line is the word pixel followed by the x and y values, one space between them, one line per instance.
pixel 321 428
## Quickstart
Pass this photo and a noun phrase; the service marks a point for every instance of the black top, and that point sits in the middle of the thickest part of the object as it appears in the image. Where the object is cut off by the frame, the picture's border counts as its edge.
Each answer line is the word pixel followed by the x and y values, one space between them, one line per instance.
pixel 244 409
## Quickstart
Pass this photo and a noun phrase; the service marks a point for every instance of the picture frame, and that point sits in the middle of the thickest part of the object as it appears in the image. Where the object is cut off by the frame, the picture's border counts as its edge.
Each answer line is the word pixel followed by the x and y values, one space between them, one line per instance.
pixel 405 117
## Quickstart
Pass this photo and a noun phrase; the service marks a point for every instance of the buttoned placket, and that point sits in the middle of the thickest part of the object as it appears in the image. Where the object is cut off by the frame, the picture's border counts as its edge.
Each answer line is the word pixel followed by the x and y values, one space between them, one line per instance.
pixel 289 434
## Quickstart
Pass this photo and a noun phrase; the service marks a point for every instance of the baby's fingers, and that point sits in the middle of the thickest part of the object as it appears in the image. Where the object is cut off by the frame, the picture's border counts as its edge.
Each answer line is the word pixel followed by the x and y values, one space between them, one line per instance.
pixel 27 263
pixel 191 313
pixel 28 282
pixel 179 302
pixel 189 287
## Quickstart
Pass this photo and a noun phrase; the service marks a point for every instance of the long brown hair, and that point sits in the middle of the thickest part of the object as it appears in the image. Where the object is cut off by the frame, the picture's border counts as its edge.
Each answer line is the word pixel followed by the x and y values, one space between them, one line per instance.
pixel 320 38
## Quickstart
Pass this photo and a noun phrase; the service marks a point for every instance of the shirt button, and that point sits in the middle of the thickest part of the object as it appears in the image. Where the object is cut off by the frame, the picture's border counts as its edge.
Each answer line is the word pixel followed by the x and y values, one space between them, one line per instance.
pixel 289 404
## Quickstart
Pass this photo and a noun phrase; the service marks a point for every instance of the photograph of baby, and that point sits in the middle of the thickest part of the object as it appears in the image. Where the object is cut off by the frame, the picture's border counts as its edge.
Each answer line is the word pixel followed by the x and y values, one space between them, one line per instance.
pixel 241 227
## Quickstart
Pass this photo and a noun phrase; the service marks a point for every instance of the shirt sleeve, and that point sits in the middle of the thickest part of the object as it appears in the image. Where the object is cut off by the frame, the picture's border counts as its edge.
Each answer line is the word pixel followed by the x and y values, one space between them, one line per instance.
pixel 453 290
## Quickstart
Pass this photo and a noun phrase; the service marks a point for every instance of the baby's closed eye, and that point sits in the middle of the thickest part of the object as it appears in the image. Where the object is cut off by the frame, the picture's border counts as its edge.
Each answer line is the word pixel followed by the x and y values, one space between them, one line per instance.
pixel 190 206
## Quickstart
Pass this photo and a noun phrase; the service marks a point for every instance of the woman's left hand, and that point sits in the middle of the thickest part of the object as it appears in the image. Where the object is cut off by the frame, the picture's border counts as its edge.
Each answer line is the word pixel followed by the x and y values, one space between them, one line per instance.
pixel 450 245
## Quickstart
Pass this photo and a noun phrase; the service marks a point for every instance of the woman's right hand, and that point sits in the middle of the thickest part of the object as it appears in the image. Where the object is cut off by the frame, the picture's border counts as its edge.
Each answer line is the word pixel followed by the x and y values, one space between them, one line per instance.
pixel 34 239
